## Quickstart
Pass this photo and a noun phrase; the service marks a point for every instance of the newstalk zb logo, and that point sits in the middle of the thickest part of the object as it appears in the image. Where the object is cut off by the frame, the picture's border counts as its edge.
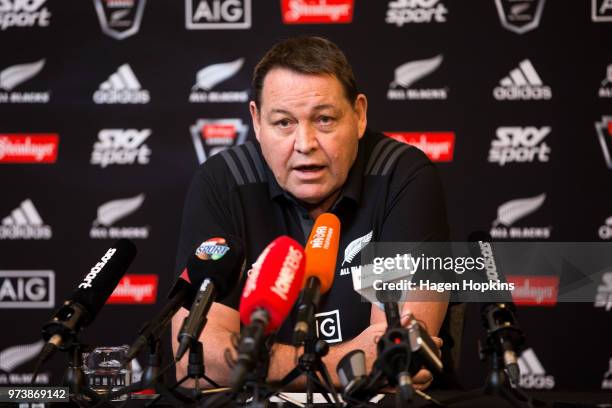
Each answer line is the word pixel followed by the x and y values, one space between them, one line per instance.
pixel 113 211
pixel 120 18
pixel 604 133
pixel 438 146
pixel 24 222
pixel 402 12
pixel 23 13
pixel 217 14
pixel 407 74
pixel 520 16
pixel 601 11
pixel 121 146
pixel 523 83
pixel 533 375
pixel 14 76
pixel 519 145
pixel 209 77
pixel 317 11
pixel 603 297
pixel 210 136
pixel 28 148
pixel 135 289
pixel 121 87
pixel 15 356
pixel 27 289
pixel 512 211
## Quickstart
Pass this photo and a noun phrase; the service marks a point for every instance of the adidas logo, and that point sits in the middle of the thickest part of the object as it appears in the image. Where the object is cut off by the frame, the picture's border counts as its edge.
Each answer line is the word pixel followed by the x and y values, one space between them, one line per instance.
pixel 523 83
pixel 122 87
pixel 533 374
pixel 24 223
pixel 113 211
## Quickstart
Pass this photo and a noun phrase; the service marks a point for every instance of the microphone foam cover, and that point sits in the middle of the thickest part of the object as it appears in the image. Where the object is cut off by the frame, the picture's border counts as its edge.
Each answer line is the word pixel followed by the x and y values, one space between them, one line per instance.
pixel 103 277
pixel 220 259
pixel 274 282
pixel 322 250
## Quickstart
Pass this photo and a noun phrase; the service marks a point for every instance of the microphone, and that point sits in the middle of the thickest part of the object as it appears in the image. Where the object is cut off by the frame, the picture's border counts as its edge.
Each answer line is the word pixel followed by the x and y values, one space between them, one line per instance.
pixel 498 317
pixel 221 262
pixel 321 253
pixel 81 308
pixel 182 294
pixel 268 296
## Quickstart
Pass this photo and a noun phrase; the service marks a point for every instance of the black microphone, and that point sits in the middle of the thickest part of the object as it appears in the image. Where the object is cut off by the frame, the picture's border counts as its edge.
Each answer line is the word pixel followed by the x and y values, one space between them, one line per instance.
pixel 182 294
pixel 86 301
pixel 220 261
pixel 498 317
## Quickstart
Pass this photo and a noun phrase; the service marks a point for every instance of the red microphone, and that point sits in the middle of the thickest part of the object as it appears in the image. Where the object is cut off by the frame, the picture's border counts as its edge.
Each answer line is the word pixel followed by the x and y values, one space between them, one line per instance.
pixel 269 293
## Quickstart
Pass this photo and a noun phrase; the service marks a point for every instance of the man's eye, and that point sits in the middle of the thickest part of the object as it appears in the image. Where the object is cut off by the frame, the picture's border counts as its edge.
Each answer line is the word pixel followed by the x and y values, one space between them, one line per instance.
pixel 326 120
pixel 283 123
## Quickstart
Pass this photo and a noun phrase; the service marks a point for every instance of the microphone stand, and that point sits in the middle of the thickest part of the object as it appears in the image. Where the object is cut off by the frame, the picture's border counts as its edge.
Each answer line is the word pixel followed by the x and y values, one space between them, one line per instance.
pixel 311 365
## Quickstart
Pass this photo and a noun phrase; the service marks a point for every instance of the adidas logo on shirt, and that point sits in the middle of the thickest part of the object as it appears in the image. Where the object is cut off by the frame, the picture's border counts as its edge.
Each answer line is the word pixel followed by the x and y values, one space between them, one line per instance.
pixel 522 83
pixel 122 87
pixel 24 222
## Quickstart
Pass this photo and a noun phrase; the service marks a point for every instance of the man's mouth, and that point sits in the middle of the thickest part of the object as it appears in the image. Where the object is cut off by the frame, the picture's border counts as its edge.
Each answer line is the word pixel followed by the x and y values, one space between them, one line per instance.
pixel 311 168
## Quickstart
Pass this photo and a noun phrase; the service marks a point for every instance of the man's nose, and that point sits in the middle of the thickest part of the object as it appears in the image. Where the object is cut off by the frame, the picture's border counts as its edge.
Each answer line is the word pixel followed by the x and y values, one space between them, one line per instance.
pixel 305 139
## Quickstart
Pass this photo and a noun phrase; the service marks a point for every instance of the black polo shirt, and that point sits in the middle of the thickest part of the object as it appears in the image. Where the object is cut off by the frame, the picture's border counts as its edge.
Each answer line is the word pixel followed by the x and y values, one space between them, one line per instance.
pixel 392 194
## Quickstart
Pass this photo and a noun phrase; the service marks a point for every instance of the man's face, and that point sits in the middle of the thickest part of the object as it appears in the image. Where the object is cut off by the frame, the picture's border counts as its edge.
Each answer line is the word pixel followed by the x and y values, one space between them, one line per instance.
pixel 308 131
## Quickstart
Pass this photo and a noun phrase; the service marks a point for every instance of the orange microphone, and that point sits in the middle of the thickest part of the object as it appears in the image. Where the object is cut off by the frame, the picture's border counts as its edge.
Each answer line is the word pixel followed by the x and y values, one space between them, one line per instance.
pixel 321 253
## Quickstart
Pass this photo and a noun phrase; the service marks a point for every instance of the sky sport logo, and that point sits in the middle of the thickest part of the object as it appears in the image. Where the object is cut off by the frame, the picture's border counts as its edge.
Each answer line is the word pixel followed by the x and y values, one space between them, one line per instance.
pixel 122 87
pixel 120 19
pixel 121 147
pixel 533 375
pixel 209 77
pixel 113 211
pixel 27 289
pixel 402 12
pixel 516 144
pixel 438 146
pixel 601 11
pixel 522 83
pixel 401 88
pixel 13 76
pixel 35 148
pixel 317 11
pixel 604 134
pixel 211 136
pixel 24 222
pixel 23 13
pixel 135 290
pixel 15 356
pixel 603 297
pixel 217 14
pixel 512 211
pixel 520 16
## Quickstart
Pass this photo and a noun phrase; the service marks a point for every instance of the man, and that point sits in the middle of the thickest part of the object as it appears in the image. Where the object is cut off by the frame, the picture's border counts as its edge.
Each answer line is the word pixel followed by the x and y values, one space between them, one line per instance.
pixel 314 155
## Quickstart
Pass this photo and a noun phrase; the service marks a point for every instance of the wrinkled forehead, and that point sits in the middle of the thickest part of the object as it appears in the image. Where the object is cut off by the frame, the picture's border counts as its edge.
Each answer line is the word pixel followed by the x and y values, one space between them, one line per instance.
pixel 287 89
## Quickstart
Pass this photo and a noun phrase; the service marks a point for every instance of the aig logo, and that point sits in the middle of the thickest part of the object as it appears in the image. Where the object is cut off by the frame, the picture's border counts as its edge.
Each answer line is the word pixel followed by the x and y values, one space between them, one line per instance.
pixel 328 326
pixel 27 289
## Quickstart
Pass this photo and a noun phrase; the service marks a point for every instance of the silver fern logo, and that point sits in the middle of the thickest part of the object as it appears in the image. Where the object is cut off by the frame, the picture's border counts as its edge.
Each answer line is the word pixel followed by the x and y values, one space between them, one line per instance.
pixel 113 211
pixel 512 211
pixel 352 249
pixel 209 77
pixel 15 75
pixel 401 88
pixel 13 357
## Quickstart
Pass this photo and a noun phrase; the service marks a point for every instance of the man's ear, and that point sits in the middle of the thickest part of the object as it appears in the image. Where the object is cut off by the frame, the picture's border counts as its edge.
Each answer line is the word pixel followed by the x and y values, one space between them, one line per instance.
pixel 361 110
pixel 255 118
